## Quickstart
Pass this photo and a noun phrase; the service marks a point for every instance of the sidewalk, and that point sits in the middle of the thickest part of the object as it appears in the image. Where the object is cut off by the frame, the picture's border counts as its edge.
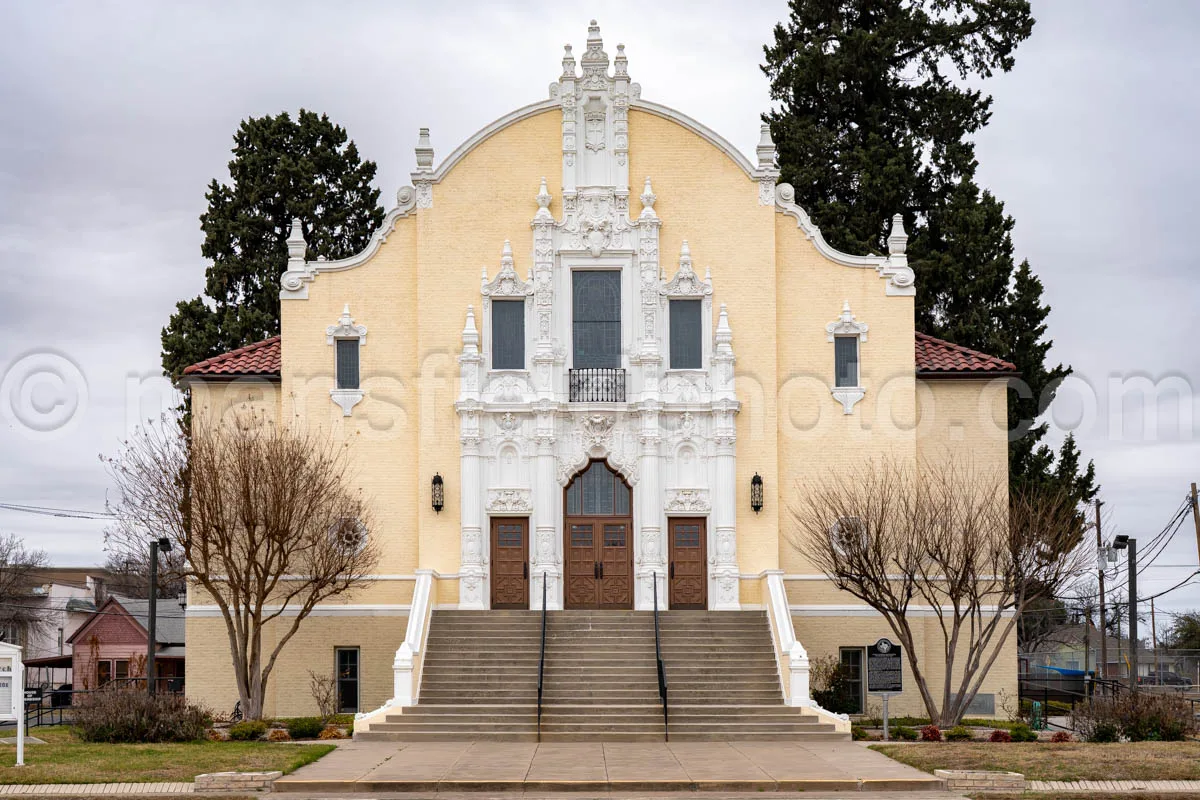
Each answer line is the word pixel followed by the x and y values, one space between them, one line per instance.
pixel 604 766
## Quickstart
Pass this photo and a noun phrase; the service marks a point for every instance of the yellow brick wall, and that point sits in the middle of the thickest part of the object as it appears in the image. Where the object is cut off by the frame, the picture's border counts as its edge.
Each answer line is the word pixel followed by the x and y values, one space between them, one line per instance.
pixel 209 669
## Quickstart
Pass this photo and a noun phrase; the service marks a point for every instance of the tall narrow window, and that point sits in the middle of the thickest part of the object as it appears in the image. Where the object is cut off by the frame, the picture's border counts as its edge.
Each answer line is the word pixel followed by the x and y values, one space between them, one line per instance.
pixel 347 363
pixel 686 344
pixel 852 672
pixel 845 355
pixel 346 664
pixel 103 672
pixel 596 315
pixel 508 334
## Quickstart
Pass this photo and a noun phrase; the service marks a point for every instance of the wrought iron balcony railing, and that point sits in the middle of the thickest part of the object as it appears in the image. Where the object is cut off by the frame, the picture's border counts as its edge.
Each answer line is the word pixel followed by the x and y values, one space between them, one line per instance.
pixel 597 385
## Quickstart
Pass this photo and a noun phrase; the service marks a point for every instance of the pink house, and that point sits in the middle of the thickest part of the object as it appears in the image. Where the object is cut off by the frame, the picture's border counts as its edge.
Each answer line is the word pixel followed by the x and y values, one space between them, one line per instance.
pixel 112 645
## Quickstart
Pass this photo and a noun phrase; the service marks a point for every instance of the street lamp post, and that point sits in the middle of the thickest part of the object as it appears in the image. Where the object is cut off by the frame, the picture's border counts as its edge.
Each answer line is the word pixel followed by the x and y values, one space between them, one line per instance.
pixel 163 544
pixel 1123 542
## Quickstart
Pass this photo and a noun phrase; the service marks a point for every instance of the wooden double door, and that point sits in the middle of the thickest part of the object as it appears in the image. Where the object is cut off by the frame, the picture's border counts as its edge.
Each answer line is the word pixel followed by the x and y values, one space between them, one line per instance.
pixel 599 562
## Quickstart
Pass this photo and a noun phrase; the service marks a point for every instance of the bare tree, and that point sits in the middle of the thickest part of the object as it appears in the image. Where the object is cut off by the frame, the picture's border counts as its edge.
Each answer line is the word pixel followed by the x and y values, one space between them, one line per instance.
pixel 949 540
pixel 21 617
pixel 265 518
pixel 324 693
pixel 129 572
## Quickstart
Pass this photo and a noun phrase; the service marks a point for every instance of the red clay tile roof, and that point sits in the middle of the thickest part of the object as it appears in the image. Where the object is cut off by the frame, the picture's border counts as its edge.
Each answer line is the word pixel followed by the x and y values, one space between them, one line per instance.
pixel 260 358
pixel 938 357
pixel 934 357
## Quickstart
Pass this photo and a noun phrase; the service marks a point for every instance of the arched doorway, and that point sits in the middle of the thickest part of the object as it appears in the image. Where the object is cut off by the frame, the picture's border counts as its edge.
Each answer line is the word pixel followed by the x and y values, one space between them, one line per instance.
pixel 598 532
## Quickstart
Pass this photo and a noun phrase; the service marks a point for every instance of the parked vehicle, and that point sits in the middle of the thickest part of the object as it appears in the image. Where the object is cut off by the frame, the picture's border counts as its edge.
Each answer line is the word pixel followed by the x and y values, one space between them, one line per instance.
pixel 1164 678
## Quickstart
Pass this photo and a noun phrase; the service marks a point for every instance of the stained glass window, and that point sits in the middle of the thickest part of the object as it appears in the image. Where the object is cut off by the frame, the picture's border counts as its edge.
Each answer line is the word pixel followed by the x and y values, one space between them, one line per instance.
pixel 686 341
pixel 508 334
pixel 596 315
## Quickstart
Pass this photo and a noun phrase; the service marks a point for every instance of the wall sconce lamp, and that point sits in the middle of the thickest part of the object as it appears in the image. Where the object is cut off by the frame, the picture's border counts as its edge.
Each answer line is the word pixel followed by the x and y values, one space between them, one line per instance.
pixel 756 493
pixel 439 493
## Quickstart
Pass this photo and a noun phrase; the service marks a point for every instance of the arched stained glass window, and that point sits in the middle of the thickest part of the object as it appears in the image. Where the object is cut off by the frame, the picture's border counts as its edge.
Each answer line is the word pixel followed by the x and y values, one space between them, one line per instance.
pixel 598 492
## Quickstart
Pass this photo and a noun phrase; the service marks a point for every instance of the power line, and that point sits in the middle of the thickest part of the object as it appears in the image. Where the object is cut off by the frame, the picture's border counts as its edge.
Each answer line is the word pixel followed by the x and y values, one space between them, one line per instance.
pixel 47 511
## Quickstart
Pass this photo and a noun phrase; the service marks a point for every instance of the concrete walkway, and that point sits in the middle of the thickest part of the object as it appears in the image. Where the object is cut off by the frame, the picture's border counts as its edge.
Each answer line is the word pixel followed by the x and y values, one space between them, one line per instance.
pixel 604 767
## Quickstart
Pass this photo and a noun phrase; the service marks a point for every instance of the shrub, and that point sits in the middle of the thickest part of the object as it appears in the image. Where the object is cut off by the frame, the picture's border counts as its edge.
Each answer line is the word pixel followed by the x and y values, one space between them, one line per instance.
pixel 831 688
pixel 278 735
pixel 1000 735
pixel 305 727
pixel 215 735
pixel 1061 737
pixel 128 714
pixel 247 730
pixel 859 734
pixel 904 732
pixel 931 733
pixel 959 733
pixel 1022 733
pixel 332 732
pixel 1139 718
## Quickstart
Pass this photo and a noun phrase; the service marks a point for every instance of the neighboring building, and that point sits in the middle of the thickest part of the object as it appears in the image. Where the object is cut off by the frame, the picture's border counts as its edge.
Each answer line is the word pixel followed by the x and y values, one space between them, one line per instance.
pixel 113 644
pixel 62 599
pixel 660 354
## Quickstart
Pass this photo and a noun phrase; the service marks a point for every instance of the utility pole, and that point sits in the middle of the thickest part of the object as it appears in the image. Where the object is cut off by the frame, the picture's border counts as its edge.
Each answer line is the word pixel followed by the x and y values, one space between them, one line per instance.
pixel 1154 643
pixel 1087 638
pixel 1133 620
pixel 1196 517
pixel 1103 666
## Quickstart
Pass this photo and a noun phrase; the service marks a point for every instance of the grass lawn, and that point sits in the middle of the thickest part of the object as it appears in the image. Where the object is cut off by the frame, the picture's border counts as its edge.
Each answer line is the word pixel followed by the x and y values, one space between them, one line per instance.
pixel 1058 762
pixel 65 759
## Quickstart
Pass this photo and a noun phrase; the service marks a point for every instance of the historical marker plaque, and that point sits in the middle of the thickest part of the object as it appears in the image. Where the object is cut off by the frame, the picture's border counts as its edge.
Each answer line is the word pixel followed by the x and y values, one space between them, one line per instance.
pixel 885 668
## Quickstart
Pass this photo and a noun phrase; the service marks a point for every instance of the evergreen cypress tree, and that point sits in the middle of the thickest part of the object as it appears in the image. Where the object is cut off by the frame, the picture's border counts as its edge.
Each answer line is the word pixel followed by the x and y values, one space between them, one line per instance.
pixel 281 169
pixel 873 118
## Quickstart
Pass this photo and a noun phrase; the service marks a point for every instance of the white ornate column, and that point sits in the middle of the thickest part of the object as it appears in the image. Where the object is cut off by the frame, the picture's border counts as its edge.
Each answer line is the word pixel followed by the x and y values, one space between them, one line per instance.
pixel 648 501
pixel 473 583
pixel 546 562
pixel 723 559
pixel 543 296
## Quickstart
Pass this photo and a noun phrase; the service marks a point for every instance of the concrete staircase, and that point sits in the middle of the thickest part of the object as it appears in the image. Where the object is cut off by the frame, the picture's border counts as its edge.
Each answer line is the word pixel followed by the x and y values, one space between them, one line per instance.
pixel 601 682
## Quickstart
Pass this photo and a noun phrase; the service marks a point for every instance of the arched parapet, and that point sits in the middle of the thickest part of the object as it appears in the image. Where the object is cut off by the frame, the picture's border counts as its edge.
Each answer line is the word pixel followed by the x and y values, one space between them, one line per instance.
pixel 893 267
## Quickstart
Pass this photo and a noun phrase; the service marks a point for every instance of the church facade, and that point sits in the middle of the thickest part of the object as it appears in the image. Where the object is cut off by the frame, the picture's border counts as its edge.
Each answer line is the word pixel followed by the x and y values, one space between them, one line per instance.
pixel 595 355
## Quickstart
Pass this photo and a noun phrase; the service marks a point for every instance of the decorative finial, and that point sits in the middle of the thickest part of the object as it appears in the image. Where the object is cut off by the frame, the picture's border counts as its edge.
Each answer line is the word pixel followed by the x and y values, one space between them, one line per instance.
pixel 424 151
pixel 470 334
pixel 724 332
pixel 648 196
pixel 766 148
pixel 897 239
pixel 594 56
pixel 621 63
pixel 568 62
pixel 296 245
pixel 685 256
pixel 543 195
pixel 506 256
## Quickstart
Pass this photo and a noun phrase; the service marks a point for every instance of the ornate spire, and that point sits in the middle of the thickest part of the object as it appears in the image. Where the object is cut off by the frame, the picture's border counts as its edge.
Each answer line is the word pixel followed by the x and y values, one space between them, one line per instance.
pixel 724 336
pixel 568 63
pixel 766 148
pixel 296 245
pixel 897 239
pixel 648 198
pixel 470 334
pixel 543 200
pixel 594 58
pixel 621 63
pixel 424 151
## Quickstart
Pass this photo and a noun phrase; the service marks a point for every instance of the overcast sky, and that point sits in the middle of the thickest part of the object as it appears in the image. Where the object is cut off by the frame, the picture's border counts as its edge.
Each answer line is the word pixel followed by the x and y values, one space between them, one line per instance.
pixel 116 116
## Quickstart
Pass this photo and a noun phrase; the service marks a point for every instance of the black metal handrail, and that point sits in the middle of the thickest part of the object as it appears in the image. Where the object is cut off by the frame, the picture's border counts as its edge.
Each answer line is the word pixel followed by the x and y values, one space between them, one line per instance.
pixel 597 385
pixel 542 660
pixel 662 673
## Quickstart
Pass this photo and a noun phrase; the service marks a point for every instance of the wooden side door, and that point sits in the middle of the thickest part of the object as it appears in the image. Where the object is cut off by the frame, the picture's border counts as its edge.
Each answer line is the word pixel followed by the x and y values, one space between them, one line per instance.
pixel 510 562
pixel 582 572
pixel 616 567
pixel 687 577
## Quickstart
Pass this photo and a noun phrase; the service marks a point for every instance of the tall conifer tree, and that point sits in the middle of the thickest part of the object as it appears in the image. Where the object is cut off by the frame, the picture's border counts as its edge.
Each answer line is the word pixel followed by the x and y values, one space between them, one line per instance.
pixel 874 115
pixel 306 168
